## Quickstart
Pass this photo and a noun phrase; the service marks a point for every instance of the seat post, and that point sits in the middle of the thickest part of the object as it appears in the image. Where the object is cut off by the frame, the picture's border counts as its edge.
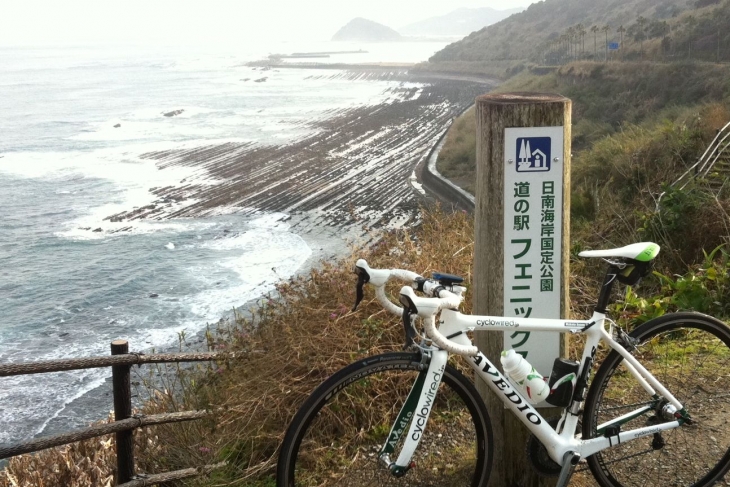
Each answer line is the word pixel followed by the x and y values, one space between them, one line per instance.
pixel 605 293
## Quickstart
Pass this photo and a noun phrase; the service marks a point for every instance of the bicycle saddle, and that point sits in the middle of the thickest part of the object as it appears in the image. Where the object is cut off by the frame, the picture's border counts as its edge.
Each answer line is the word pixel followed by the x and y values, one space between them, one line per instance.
pixel 641 252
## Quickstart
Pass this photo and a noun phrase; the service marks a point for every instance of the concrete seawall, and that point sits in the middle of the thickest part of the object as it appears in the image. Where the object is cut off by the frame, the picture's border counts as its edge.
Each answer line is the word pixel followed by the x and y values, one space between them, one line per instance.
pixel 443 189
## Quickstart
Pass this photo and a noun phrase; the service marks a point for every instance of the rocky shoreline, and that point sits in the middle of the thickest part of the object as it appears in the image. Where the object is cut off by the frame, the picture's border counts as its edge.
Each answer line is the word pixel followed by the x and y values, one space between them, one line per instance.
pixel 355 170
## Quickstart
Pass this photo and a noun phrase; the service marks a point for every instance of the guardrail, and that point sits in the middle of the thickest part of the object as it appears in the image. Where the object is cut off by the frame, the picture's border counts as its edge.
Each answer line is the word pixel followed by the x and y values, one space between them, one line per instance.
pixel 706 162
pixel 121 361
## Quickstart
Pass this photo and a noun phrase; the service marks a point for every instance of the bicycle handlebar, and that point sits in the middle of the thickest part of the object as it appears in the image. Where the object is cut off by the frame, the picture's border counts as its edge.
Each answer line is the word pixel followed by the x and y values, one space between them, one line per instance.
pixel 378 278
pixel 425 307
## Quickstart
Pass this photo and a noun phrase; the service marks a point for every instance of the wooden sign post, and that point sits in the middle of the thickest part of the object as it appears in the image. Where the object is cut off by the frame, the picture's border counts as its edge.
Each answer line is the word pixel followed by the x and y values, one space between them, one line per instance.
pixel 522 221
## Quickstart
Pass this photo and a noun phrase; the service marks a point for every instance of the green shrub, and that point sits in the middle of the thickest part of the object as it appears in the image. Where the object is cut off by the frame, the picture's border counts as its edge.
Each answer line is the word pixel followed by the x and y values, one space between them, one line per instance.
pixel 685 222
pixel 704 288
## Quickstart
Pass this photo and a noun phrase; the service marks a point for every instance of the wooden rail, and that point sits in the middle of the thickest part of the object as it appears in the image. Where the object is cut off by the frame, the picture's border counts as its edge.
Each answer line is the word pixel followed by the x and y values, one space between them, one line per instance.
pixel 7 370
pixel 125 423
pixel 145 480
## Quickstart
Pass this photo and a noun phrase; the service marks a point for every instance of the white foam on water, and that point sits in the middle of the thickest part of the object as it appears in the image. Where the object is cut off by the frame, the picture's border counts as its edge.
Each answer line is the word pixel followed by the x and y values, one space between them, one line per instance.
pixel 251 262
pixel 119 165
pixel 165 336
pixel 154 113
pixel 144 130
pixel 132 176
pixel 206 63
pixel 94 378
pixel 269 253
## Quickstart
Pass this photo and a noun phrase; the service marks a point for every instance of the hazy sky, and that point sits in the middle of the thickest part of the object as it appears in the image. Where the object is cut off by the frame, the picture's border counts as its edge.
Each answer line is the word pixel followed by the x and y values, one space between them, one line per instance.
pixel 25 22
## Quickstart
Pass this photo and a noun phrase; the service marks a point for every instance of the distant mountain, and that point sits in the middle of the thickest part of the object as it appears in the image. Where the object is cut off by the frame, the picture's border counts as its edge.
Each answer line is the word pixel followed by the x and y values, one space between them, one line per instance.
pixel 364 30
pixel 459 22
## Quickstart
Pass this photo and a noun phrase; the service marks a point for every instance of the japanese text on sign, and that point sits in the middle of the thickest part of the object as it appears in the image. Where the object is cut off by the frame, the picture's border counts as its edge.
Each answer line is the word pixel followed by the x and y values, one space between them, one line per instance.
pixel 533 184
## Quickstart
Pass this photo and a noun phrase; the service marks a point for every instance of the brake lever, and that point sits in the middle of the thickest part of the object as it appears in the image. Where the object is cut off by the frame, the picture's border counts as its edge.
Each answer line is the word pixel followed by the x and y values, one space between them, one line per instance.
pixel 408 328
pixel 362 279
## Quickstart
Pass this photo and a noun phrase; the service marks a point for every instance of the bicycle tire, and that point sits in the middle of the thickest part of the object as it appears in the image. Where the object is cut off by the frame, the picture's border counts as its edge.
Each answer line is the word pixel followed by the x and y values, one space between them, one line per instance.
pixel 335 436
pixel 689 353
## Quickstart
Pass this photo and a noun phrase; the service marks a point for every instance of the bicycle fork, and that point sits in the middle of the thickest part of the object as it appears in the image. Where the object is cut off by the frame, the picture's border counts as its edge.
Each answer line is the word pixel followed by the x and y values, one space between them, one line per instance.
pixel 415 410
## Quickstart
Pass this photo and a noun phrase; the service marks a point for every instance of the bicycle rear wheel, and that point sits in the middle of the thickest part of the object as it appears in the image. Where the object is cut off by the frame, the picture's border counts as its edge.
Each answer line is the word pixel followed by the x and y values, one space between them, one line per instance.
pixel 335 437
pixel 689 353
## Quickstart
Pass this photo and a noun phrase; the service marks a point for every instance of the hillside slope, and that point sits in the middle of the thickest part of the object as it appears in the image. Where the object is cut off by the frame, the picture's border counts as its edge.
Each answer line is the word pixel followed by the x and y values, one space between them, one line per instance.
pixel 517 36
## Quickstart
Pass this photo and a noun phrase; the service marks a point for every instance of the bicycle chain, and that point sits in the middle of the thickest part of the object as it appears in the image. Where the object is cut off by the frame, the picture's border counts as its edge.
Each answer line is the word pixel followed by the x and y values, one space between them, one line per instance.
pixel 585 467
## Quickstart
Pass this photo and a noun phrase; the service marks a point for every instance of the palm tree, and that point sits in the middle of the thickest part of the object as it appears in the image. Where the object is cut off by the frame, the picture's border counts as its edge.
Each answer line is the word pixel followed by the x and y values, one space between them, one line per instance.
pixel 571 35
pixel 564 45
pixel 582 38
pixel 595 29
pixel 621 29
pixel 605 29
pixel 642 22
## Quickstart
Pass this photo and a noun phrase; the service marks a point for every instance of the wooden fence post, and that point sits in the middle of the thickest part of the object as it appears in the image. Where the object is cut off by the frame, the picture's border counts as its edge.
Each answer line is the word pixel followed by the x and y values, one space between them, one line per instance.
pixel 123 410
pixel 495 114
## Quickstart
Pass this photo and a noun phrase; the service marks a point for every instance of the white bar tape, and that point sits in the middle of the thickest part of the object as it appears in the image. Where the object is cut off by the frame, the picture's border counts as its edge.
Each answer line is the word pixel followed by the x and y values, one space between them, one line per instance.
pixel 427 309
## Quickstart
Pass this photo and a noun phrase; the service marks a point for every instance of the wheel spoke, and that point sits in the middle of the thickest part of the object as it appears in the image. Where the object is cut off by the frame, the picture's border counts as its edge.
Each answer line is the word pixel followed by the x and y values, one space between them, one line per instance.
pixel 335 438
pixel 688 353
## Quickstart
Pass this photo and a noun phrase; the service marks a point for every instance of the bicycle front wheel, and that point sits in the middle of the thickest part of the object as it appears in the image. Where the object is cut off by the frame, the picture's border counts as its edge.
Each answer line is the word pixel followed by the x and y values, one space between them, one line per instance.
pixel 336 436
pixel 689 353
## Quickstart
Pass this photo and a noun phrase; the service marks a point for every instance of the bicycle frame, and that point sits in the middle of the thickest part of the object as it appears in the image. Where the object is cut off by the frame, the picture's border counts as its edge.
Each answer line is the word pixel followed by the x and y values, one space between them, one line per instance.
pixel 454 325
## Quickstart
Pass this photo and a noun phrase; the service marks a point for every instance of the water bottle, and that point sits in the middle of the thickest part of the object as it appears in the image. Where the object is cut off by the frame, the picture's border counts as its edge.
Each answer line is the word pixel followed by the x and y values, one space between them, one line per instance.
pixel 533 385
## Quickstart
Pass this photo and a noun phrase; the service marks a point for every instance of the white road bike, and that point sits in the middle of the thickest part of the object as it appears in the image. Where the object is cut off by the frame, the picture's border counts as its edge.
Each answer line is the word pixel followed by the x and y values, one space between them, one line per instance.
pixel 656 412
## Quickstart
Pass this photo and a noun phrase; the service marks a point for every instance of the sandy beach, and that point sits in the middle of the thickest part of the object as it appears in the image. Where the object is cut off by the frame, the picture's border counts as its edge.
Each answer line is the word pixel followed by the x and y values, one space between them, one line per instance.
pixel 357 169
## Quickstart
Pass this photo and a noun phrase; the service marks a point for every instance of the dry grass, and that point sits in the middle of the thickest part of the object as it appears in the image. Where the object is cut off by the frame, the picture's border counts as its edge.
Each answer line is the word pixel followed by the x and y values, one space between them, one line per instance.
pixel 90 463
pixel 296 341
pixel 291 343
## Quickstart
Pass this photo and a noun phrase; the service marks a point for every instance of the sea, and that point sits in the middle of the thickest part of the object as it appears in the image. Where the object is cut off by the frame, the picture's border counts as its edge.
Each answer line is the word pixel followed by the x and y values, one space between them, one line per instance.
pixel 73 123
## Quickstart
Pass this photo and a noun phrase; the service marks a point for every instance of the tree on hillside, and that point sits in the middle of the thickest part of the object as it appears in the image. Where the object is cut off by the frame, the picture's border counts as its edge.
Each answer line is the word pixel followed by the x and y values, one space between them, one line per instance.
pixel 691 22
pixel 595 30
pixel 705 3
pixel 663 11
pixel 605 29
pixel 666 44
